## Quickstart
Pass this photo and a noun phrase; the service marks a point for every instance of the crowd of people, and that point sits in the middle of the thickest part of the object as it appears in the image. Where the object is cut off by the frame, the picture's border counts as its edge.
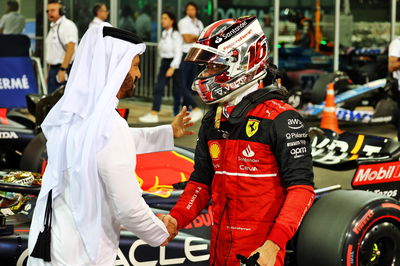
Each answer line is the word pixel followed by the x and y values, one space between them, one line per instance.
pixel 177 38
pixel 173 47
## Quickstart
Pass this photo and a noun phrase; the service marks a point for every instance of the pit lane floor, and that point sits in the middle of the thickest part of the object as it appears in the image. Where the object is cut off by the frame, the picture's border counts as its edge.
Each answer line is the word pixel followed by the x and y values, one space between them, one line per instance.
pixel 323 177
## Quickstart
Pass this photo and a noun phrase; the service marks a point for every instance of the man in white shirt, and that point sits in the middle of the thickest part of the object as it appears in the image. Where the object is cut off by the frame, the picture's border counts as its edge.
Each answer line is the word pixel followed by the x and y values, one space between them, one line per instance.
pixel 12 22
pixel 89 187
pixel 394 67
pixel 190 28
pixel 60 45
pixel 100 13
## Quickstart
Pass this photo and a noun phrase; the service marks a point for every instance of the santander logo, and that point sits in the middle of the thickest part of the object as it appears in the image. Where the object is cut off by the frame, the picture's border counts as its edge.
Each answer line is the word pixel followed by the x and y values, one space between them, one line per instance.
pixel 377 173
pixel 247 152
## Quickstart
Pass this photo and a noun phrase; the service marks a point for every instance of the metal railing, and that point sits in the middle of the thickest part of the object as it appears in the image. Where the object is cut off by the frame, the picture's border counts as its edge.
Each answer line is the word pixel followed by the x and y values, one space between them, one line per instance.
pixel 149 66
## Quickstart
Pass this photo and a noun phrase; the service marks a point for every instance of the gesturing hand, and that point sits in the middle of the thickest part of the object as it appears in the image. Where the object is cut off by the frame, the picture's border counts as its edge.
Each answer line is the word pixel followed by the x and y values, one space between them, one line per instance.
pixel 268 253
pixel 172 227
pixel 180 123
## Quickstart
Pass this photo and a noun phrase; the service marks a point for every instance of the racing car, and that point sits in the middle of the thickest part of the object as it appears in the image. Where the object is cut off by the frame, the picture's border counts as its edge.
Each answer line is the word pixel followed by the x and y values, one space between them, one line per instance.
pixel 371 102
pixel 343 227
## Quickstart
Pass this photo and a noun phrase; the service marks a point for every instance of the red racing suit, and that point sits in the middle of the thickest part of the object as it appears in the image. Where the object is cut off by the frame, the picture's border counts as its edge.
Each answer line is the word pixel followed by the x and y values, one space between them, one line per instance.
pixel 258 175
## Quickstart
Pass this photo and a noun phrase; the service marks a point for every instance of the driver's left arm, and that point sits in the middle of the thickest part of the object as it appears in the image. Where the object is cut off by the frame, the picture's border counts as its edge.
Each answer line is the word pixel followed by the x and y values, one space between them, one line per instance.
pixel 292 149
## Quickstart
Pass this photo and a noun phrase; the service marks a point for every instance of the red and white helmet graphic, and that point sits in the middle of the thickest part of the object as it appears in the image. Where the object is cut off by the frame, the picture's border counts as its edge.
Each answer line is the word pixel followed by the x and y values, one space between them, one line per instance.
pixel 234 55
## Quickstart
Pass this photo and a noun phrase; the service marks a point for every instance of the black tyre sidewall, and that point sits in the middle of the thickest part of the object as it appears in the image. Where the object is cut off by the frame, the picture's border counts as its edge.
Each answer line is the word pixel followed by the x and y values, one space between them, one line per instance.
pixel 335 225
pixel 385 211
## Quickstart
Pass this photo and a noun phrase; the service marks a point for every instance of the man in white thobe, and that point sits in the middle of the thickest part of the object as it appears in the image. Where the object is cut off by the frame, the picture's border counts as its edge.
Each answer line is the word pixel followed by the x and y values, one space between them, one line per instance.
pixel 90 177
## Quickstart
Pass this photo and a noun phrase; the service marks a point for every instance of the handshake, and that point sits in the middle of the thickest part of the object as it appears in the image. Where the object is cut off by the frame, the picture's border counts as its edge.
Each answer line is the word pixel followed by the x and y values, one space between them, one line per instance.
pixel 172 226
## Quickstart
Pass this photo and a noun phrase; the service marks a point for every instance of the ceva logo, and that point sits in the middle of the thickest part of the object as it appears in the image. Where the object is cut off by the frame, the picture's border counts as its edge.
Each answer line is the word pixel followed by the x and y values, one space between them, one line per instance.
pixel 377 173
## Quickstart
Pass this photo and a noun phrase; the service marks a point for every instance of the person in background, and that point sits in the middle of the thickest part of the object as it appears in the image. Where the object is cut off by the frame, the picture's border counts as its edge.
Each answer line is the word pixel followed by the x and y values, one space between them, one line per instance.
pixel 12 22
pixel 267 27
pixel 170 51
pixel 126 21
pixel 60 46
pixel 100 13
pixel 143 23
pixel 394 68
pixel 190 27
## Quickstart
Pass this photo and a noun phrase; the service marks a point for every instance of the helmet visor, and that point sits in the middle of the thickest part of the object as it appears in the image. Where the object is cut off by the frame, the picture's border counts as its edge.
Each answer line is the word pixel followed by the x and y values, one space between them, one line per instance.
pixel 201 56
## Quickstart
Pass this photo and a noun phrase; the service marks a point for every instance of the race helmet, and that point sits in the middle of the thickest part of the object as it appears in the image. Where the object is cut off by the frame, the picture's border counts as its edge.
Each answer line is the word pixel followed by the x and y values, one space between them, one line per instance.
pixel 234 56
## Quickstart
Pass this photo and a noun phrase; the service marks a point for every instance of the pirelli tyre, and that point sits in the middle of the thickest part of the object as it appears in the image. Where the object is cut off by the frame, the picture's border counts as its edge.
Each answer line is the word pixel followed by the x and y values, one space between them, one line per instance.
pixel 351 228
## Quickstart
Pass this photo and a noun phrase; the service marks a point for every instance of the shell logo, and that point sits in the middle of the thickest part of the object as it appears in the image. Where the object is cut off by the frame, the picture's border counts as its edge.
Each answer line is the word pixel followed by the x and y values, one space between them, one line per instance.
pixel 215 151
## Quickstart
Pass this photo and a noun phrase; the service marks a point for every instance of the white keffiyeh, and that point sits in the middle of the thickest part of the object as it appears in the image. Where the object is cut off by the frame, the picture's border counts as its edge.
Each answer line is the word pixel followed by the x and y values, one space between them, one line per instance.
pixel 79 125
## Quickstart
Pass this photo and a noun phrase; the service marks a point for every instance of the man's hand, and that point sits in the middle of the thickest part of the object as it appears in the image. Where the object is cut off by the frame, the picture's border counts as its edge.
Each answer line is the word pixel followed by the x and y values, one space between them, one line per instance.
pixel 61 76
pixel 172 227
pixel 181 123
pixel 170 72
pixel 268 253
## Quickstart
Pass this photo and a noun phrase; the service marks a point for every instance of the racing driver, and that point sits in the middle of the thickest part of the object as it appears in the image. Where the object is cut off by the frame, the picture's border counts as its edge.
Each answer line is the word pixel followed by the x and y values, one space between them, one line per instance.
pixel 253 155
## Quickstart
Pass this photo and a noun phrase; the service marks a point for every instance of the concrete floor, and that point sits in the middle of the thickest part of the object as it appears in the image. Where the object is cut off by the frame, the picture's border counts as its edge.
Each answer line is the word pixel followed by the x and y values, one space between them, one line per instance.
pixel 323 177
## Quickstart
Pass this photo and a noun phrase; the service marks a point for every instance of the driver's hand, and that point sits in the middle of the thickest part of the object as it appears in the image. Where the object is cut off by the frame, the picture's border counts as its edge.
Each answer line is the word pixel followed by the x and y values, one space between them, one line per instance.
pixel 268 253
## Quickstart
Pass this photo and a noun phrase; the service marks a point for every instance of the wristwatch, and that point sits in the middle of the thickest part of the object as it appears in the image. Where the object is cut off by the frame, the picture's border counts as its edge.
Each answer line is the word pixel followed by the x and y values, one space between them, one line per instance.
pixel 62 69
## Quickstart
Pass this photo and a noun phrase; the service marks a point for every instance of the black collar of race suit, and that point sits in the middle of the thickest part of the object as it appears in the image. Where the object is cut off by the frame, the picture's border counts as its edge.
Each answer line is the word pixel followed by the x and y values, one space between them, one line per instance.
pixel 122 35
pixel 253 99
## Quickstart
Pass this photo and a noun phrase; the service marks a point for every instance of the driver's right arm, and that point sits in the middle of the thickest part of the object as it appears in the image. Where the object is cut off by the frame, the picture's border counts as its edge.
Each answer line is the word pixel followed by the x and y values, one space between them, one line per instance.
pixel 197 193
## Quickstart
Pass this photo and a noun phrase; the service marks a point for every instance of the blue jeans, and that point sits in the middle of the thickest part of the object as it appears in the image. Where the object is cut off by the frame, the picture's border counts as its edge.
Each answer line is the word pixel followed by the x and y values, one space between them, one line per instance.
pixel 162 81
pixel 52 83
pixel 189 73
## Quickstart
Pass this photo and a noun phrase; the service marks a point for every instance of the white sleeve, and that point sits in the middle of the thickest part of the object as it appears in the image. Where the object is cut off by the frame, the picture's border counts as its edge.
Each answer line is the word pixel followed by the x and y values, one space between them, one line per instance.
pixel 178 42
pixel 153 139
pixel 116 164
pixel 394 48
pixel 69 32
pixel 183 27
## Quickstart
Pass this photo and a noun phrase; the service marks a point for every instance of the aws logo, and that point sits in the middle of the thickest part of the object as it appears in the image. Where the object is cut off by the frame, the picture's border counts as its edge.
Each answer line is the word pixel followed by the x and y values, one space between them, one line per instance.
pixel 215 150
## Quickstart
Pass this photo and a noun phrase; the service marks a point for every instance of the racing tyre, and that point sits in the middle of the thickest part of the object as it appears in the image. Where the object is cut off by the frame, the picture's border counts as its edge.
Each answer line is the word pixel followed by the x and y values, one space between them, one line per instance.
pixel 295 99
pixel 351 228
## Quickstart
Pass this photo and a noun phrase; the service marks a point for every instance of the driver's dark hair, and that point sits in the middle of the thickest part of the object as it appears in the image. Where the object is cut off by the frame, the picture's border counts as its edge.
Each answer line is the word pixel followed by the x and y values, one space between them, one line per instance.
pixel 13 5
pixel 96 8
